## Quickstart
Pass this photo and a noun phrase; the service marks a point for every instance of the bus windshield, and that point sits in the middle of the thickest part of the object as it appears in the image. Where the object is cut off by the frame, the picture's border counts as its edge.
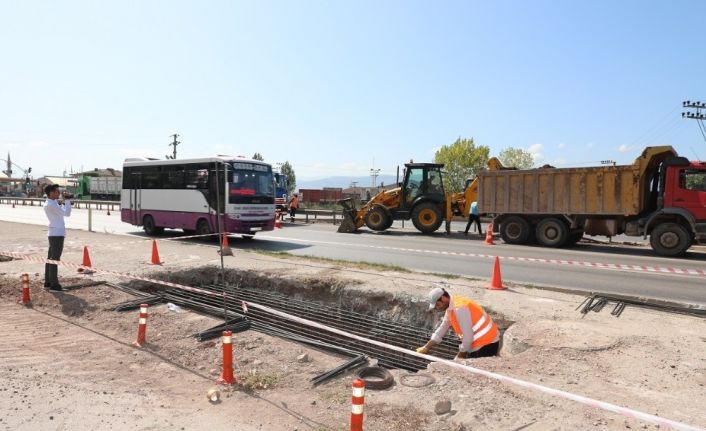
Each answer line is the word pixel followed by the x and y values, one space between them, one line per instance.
pixel 251 183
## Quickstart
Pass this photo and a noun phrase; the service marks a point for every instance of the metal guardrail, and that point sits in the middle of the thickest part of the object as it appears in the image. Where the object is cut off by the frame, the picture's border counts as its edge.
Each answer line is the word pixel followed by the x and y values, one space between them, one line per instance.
pixel 312 216
pixel 308 215
pixel 76 203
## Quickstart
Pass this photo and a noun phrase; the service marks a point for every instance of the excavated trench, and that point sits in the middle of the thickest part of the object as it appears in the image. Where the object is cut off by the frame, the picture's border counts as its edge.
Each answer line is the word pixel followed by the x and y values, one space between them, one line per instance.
pixel 399 320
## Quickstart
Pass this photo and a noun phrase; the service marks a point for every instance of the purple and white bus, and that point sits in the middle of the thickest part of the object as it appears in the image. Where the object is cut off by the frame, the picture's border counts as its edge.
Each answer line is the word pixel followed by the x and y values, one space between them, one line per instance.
pixel 197 194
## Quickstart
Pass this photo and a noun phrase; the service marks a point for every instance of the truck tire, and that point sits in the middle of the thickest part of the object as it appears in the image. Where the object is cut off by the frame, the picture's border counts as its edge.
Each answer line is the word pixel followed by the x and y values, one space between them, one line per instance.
pixel 552 232
pixel 515 230
pixel 574 238
pixel 670 239
pixel 427 217
pixel 149 226
pixel 377 218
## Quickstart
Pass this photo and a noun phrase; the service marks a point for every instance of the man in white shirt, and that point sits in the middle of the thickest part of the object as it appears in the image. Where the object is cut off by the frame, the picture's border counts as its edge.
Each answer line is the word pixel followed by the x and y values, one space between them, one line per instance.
pixel 57 231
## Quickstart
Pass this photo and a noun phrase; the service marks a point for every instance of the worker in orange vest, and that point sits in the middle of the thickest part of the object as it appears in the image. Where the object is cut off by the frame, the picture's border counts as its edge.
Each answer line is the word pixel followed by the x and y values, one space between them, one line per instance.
pixel 478 333
pixel 293 206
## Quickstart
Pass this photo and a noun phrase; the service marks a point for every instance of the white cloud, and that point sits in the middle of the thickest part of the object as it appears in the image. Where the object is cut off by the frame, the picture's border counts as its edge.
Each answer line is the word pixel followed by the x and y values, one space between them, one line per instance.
pixel 536 151
pixel 625 148
pixel 536 148
pixel 561 145
pixel 590 145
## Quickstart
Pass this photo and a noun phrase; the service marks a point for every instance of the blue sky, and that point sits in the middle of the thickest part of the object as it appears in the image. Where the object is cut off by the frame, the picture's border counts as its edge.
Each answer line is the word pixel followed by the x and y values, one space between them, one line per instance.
pixel 334 87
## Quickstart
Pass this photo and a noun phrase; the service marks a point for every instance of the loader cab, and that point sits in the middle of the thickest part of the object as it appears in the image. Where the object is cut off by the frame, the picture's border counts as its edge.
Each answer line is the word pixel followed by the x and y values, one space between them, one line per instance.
pixel 422 181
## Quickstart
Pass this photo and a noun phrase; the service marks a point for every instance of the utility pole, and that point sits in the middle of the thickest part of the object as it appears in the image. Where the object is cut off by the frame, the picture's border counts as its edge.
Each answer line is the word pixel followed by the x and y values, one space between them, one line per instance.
pixel 354 184
pixel 175 143
pixel 698 115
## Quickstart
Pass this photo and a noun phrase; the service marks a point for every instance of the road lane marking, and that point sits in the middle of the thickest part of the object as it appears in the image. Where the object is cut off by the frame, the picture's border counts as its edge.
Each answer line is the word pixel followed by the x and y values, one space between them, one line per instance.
pixel 559 262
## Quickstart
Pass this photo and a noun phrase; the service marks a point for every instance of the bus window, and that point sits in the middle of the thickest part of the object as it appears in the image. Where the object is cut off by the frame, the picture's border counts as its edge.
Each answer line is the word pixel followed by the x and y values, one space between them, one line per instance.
pixel 197 178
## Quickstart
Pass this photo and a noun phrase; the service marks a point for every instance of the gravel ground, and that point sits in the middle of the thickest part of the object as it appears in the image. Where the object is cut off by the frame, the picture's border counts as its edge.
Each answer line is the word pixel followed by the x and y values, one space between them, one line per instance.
pixel 67 362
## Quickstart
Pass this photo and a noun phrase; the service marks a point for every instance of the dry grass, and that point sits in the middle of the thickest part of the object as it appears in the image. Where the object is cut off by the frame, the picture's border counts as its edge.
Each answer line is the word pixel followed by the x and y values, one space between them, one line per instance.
pixel 395 418
pixel 260 380
pixel 341 262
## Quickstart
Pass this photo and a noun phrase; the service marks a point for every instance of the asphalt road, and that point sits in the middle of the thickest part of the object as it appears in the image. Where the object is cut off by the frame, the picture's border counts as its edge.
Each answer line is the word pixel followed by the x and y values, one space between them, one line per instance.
pixel 458 254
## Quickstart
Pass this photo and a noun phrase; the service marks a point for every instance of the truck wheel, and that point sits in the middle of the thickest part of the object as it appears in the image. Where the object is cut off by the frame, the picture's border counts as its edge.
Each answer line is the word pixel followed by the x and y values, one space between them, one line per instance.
pixel 670 239
pixel 377 218
pixel 552 232
pixel 574 238
pixel 149 226
pixel 515 230
pixel 426 217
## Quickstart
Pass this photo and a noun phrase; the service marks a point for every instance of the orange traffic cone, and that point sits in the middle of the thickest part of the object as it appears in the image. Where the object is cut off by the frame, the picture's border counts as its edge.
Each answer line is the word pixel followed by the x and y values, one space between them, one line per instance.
pixel 155 254
pixel 86 268
pixel 226 251
pixel 496 280
pixel 489 235
pixel 278 220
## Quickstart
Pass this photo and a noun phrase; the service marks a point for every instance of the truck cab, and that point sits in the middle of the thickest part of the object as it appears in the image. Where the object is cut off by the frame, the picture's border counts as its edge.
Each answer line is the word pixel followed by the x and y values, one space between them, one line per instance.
pixel 680 219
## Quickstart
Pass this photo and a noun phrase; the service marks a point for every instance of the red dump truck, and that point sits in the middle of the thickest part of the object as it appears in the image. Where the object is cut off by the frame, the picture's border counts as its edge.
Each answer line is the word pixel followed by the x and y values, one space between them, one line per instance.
pixel 660 195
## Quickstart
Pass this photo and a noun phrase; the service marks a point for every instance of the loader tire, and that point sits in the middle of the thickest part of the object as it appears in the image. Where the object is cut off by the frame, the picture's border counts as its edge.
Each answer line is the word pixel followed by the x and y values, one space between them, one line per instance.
pixel 427 217
pixel 378 219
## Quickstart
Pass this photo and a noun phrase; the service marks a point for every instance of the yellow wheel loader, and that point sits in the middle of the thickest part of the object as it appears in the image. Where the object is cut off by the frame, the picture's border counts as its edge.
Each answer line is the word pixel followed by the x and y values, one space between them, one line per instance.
pixel 420 198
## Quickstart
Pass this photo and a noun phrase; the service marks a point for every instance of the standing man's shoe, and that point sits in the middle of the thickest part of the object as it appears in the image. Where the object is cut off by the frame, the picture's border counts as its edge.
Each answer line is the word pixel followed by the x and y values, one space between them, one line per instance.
pixel 56 288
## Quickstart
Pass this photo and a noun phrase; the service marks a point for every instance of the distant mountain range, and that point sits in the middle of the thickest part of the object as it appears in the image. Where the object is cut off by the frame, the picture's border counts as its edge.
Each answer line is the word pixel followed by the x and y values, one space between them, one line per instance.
pixel 344 182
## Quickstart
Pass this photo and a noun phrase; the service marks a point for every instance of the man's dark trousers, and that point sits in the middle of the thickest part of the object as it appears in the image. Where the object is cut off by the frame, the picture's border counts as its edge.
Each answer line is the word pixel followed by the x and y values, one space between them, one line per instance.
pixel 51 272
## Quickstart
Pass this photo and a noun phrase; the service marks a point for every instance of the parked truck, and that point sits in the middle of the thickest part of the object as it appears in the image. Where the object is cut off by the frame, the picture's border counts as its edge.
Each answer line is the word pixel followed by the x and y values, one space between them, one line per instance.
pixel 99 188
pixel 660 195
pixel 281 195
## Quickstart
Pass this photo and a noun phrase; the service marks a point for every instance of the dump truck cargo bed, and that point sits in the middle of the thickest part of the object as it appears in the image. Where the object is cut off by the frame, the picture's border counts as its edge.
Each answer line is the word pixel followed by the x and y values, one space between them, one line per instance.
pixel 599 191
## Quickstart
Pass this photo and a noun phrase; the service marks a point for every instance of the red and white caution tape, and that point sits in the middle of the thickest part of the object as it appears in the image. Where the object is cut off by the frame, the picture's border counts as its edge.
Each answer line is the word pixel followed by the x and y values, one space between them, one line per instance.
pixel 105 271
pixel 586 264
pixel 138 240
pixel 634 414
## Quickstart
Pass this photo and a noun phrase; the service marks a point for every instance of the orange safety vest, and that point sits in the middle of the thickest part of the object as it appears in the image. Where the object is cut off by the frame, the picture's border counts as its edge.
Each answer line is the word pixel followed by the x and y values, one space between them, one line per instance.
pixel 294 203
pixel 485 331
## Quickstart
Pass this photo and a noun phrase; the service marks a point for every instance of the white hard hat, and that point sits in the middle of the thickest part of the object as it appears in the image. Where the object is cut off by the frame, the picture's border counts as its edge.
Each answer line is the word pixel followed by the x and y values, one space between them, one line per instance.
pixel 434 296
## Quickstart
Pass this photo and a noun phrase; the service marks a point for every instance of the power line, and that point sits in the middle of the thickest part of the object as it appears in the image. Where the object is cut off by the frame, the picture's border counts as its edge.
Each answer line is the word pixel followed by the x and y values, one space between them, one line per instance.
pixel 667 120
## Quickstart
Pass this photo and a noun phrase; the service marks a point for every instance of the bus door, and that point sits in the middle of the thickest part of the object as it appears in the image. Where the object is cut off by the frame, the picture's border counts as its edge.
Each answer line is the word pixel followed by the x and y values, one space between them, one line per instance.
pixel 218 195
pixel 136 199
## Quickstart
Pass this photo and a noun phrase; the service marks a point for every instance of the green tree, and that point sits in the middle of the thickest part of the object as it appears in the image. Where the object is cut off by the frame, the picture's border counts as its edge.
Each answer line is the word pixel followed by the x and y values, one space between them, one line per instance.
pixel 516 157
pixel 288 171
pixel 461 160
pixel 258 156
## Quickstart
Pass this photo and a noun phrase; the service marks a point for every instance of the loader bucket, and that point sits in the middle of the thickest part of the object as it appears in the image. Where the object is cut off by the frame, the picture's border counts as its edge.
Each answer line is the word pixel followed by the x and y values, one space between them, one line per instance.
pixel 348 225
